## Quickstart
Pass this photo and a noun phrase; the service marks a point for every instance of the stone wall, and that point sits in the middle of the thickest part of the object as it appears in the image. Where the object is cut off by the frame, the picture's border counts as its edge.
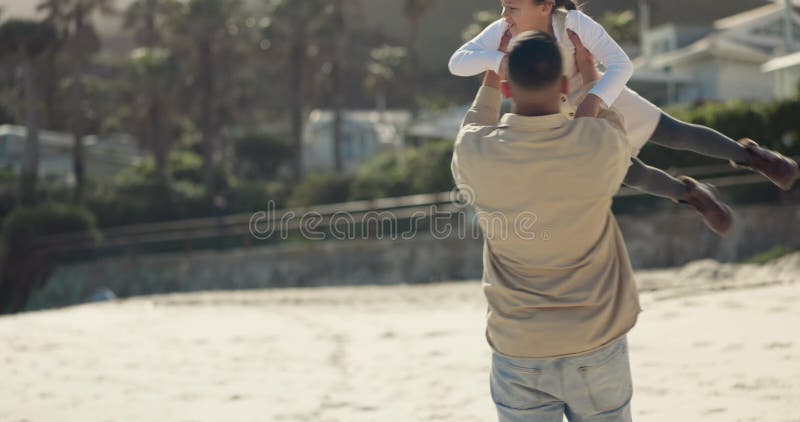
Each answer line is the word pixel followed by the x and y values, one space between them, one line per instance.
pixel 662 240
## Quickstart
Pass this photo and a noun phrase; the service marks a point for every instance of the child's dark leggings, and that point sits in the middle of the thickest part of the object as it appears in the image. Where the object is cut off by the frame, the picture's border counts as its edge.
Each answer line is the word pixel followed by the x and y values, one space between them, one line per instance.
pixel 678 135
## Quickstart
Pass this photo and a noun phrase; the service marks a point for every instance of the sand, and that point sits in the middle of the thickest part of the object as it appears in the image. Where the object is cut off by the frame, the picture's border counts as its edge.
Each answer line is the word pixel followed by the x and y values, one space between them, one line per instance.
pixel 714 343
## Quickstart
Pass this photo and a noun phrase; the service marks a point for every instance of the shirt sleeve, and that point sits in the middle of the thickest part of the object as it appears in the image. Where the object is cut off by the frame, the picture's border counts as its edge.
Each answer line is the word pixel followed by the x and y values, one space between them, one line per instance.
pixel 485 110
pixel 480 54
pixel 619 67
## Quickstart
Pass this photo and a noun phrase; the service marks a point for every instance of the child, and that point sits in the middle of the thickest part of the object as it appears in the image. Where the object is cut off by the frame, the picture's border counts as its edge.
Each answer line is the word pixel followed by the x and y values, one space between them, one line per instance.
pixel 643 120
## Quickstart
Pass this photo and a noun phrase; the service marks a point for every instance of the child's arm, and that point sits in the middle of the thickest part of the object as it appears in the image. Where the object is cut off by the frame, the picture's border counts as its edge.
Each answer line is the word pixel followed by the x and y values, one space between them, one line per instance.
pixel 480 54
pixel 619 67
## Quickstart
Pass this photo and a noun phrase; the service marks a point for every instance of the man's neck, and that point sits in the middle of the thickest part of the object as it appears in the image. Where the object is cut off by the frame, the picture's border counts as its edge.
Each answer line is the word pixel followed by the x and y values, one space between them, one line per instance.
pixel 534 110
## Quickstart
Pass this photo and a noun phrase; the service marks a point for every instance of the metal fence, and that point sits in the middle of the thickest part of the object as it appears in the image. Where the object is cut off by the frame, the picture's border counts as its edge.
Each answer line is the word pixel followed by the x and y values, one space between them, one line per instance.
pixel 237 230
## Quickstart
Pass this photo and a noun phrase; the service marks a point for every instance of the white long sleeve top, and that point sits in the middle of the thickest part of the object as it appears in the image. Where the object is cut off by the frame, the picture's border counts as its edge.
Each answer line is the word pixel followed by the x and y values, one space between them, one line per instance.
pixel 480 54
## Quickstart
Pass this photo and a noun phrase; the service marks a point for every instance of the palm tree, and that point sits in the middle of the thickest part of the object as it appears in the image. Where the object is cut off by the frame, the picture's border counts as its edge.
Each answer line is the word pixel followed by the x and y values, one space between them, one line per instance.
pixel 386 66
pixel 295 32
pixel 26 40
pixel 621 26
pixel 480 20
pixel 153 76
pixel 415 10
pixel 339 24
pixel 52 73
pixel 144 18
pixel 76 19
pixel 202 26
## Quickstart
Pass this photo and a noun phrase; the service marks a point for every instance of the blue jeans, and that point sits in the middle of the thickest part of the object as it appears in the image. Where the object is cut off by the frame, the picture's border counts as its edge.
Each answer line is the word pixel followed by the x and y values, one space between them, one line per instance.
pixel 595 387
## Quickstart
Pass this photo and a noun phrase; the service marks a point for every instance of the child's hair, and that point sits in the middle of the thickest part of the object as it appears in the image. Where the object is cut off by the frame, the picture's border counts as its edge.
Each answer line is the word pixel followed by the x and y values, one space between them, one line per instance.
pixel 563 4
pixel 534 61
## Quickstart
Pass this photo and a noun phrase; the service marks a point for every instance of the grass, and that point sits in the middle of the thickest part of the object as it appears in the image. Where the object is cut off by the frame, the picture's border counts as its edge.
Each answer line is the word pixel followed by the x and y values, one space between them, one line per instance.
pixel 770 255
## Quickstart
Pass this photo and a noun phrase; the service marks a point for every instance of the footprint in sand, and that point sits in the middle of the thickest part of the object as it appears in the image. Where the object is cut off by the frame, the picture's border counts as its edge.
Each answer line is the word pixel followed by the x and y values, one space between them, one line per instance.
pixel 733 346
pixel 730 304
pixel 778 345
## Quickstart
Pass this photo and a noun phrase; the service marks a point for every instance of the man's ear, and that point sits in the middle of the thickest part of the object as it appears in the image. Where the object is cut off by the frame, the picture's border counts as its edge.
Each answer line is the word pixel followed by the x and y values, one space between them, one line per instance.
pixel 564 85
pixel 505 88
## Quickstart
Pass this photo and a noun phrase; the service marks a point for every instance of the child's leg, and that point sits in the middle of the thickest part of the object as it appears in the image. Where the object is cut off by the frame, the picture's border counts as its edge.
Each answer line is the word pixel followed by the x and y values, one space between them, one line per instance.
pixel 718 216
pixel 654 181
pixel 675 134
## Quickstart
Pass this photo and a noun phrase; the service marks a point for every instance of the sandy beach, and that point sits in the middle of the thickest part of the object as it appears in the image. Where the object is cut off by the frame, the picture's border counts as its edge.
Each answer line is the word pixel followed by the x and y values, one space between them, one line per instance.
pixel 715 342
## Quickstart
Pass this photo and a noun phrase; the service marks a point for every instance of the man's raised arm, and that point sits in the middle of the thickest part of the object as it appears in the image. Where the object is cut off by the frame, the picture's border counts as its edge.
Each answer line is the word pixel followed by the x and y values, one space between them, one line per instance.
pixel 485 110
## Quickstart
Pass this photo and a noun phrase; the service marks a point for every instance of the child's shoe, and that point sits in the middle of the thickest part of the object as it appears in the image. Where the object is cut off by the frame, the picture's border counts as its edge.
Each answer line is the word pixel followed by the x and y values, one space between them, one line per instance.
pixel 718 216
pixel 779 169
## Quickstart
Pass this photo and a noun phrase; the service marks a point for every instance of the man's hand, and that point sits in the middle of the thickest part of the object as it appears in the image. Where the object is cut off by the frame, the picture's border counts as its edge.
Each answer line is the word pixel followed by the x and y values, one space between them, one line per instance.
pixel 590 107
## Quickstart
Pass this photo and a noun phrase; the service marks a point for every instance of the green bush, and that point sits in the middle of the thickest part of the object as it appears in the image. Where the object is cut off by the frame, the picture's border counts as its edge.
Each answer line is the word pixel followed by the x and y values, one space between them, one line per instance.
pixel 27 264
pixel 770 255
pixel 149 200
pixel 381 177
pixel 784 118
pixel 254 196
pixel 261 156
pixel 321 188
pixel 430 167
pixel 422 170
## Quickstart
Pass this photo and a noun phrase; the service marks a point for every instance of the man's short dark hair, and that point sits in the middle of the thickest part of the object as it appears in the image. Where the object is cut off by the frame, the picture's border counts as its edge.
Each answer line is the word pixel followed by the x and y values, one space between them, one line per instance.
pixel 535 62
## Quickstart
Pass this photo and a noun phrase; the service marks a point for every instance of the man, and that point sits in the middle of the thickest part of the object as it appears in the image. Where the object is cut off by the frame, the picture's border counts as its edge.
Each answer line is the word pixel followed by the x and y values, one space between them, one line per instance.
pixel 559 284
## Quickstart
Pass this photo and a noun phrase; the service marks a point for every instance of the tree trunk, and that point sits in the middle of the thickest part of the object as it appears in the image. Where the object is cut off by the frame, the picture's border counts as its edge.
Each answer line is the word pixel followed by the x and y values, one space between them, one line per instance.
pixel 157 141
pixel 79 151
pixel 30 164
pixel 151 36
pixel 338 91
pixel 207 123
pixel 413 31
pixel 50 85
pixel 297 95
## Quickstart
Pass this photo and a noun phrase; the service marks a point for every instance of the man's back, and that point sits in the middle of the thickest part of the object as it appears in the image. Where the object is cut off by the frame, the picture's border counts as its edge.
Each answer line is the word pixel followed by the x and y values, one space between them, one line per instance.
pixel 557 276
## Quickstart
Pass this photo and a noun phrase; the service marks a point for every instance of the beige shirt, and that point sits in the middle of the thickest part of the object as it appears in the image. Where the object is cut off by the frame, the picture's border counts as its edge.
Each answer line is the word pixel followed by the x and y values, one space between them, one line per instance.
pixel 557 276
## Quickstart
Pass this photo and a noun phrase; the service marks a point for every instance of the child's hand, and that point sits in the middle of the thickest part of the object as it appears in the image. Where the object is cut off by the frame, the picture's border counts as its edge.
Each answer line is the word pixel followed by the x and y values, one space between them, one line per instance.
pixel 504 42
pixel 503 48
pixel 584 59
pixel 590 107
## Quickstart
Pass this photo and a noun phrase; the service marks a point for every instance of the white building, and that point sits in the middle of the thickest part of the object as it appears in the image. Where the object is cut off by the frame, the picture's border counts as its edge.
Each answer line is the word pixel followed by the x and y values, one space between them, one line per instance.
pixel 105 157
pixel 367 133
pixel 720 62
pixel 786 74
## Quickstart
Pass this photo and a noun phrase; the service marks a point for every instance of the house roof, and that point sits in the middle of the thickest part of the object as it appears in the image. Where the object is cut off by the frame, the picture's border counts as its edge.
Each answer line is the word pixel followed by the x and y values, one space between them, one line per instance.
pixel 716 45
pixel 727 42
pixel 749 16
pixel 782 62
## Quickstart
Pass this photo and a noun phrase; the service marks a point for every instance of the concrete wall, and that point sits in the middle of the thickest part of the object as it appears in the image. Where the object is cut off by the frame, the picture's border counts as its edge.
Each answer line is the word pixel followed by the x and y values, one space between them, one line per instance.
pixel 663 240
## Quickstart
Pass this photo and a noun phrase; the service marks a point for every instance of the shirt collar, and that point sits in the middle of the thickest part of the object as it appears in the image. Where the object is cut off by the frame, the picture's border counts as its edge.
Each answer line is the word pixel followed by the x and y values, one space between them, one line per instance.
pixel 550 121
